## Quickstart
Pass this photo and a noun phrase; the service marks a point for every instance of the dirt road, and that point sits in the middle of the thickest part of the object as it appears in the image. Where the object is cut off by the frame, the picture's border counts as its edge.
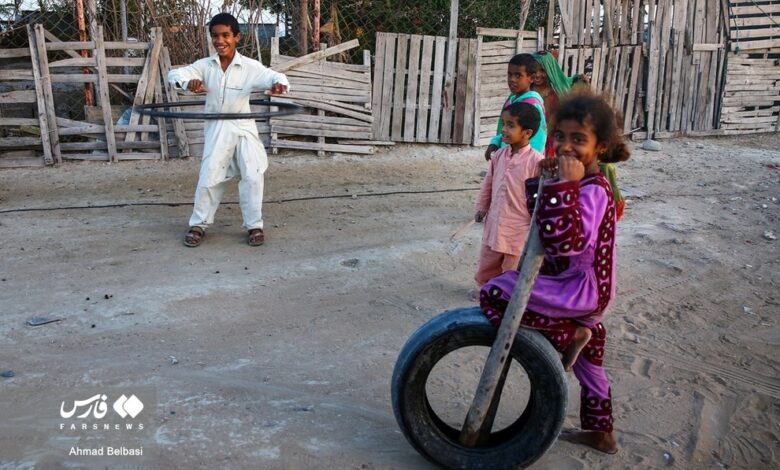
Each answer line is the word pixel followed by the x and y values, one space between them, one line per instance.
pixel 281 356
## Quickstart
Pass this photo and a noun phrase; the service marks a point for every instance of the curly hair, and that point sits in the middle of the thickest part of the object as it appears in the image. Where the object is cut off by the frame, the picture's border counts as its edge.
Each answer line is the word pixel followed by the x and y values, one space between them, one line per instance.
pixel 594 111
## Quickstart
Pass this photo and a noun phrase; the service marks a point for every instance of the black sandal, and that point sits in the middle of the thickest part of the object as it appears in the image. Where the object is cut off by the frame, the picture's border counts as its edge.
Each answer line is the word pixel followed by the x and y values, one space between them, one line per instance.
pixel 194 236
pixel 256 237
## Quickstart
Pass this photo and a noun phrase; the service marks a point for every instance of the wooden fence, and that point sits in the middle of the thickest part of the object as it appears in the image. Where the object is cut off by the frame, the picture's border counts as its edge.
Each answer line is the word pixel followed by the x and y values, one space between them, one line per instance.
pixel 98 137
pixel 343 91
pixel 424 90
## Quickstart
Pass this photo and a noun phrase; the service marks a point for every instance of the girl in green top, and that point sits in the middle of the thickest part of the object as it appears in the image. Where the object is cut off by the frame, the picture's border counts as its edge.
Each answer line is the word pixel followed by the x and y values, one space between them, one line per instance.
pixel 552 84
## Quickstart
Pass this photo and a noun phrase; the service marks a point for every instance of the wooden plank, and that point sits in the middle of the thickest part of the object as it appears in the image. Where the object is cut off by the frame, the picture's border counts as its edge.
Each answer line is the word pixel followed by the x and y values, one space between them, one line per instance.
pixel 161 122
pixel 423 98
pixel 623 75
pixel 313 118
pixel 410 104
pixel 294 144
pixel 103 146
pixel 48 124
pixel 399 89
pixel 172 97
pixel 461 76
pixel 652 81
pixel 753 9
pixel 122 45
pixel 389 143
pixel 633 88
pixel 387 88
pixel 74 62
pixel 19 142
pixel 320 113
pixel 504 33
pixel 437 89
pixel 448 96
pixel 18 96
pixel 6 162
pixel 70 45
pixel 477 93
pixel 17 122
pixel 321 133
pixel 316 56
pixel 16 74
pixel 376 94
pixel 14 53
pixel 105 101
pixel 471 97
pixel 334 107
pixel 144 93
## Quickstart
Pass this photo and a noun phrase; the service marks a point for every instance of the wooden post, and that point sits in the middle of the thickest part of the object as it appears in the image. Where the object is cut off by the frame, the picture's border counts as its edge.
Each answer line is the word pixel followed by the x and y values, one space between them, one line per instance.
pixel 303 28
pixel 105 102
pixel 525 5
pixel 41 99
pixel 449 74
pixel 89 96
pixel 478 419
pixel 316 25
pixel 550 21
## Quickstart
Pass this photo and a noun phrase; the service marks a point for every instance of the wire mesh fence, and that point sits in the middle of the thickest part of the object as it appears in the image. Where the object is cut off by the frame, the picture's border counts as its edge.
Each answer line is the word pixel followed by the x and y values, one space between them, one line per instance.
pixel 301 25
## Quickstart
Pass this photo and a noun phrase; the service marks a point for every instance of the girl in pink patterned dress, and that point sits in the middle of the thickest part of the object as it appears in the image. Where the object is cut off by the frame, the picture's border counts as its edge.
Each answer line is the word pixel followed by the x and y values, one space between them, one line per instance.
pixel 576 223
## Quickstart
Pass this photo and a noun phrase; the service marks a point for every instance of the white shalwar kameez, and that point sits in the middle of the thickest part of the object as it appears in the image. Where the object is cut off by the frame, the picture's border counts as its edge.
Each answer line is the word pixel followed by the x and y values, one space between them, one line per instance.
pixel 232 146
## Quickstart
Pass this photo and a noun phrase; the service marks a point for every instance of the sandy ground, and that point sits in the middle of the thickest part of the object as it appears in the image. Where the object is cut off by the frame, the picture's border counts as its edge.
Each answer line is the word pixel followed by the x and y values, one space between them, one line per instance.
pixel 281 356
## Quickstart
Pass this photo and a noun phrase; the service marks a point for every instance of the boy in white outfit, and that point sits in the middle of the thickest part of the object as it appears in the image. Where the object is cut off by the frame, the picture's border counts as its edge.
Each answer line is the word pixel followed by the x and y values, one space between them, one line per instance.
pixel 232 146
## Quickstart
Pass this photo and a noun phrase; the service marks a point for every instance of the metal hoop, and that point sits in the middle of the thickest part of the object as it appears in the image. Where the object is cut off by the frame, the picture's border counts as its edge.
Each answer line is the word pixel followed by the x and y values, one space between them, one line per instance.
pixel 287 109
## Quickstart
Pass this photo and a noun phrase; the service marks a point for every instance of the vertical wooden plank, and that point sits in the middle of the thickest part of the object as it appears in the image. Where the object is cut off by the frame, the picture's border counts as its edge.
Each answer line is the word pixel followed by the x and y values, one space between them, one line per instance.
pixel 410 105
pixel 713 17
pixel 387 87
pixel 445 131
pixel 664 24
pixel 471 76
pixel 607 28
pixel 477 90
pixel 652 80
pixel 576 34
pixel 436 90
pixel 460 90
pixel 623 72
pixel 321 113
pixel 178 125
pixel 637 12
pixel 51 115
pixel 424 98
pixel 588 17
pixel 105 101
pixel 400 88
pixel 162 125
pixel 376 92
pixel 551 21
pixel 632 86
pixel 40 96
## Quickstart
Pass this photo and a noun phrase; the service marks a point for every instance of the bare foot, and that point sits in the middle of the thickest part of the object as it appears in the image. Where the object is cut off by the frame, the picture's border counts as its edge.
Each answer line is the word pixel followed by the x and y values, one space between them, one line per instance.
pixel 601 441
pixel 581 337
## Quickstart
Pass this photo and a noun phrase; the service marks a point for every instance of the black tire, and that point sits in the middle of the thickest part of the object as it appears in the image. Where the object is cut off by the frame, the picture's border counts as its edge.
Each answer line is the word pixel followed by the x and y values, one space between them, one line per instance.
pixel 519 444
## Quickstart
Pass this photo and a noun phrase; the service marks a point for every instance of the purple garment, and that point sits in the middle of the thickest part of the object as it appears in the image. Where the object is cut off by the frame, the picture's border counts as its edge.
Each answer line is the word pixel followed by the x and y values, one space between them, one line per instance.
pixel 577 229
